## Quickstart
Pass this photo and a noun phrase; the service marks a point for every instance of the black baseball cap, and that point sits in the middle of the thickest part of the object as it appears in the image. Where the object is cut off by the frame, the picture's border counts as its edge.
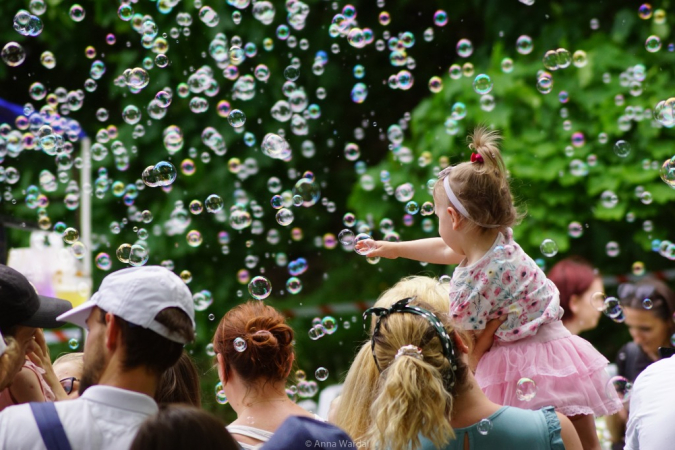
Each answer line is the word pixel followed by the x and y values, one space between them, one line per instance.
pixel 20 304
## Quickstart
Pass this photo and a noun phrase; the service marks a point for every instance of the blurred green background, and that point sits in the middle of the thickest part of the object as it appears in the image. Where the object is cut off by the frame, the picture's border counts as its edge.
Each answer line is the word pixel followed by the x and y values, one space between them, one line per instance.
pixel 555 181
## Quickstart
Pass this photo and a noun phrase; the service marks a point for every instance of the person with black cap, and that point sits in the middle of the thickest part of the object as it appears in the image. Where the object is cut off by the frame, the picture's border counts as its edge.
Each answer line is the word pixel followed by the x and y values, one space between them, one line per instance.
pixel 138 322
pixel 22 313
pixel 11 361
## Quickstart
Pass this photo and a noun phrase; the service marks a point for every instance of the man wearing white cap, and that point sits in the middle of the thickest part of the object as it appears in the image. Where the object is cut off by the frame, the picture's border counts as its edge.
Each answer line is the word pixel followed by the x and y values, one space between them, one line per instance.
pixel 138 322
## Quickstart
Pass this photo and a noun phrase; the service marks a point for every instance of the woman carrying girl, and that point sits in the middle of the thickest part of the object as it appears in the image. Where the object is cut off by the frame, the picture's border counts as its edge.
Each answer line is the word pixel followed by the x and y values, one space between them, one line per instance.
pixel 535 361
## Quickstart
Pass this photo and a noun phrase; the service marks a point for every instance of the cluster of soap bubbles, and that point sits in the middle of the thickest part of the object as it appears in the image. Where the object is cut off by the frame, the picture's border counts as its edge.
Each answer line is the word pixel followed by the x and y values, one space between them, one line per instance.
pixel 305 388
pixel 321 327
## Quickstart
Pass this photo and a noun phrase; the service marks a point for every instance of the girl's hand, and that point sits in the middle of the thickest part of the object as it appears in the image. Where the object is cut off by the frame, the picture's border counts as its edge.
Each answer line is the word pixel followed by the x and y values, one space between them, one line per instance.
pixel 11 362
pixel 39 354
pixel 383 249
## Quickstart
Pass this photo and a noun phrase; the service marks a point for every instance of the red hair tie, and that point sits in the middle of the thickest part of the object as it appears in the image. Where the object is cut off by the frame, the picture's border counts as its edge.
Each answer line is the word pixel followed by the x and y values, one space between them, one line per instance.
pixel 476 157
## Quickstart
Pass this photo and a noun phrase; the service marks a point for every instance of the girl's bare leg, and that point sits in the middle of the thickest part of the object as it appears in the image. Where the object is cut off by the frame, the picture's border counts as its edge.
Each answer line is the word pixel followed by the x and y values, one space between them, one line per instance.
pixel 585 426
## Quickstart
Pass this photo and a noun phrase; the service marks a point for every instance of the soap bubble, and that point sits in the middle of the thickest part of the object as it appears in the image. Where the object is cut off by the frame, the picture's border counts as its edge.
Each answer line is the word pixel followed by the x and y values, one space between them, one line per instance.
pixel 71 235
pixel 308 190
pixel 622 386
pixel 653 44
pixel 73 344
pixel 240 344
pixel 667 172
pixel 612 249
pixel 440 18
pixel 123 252
pixel 645 11
pixel 27 24
pixel 136 78
pixel 208 16
pixel 260 288
pixel 236 118
pixel 284 217
pixel 194 238
pixel 524 45
pixel 316 332
pixel 622 148
pixel 103 261
pixel 293 285
pixel 321 374
pixel 526 390
pixel 549 248
pixel 214 203
pixel 329 324
pixel 482 84
pixel 76 13
pixel 464 48
pixel 575 229
pixel 13 54
pixel 598 301
pixel 275 146
pixel 484 426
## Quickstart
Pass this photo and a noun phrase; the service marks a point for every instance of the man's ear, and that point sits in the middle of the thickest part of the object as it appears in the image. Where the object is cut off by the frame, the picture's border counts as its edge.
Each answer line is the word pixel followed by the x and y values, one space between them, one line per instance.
pixel 113 332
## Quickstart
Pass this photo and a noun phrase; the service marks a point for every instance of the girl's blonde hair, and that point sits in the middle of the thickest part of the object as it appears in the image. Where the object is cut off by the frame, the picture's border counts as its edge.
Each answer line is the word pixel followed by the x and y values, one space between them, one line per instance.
pixel 361 391
pixel 482 187
pixel 76 357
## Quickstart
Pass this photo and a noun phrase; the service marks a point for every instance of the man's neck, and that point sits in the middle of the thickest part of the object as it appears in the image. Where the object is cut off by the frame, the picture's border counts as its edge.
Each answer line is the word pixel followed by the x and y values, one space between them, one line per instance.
pixel 137 380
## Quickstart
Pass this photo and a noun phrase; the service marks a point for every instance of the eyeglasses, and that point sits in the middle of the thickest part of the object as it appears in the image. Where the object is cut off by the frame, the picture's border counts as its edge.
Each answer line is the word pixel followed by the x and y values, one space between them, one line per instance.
pixel 628 290
pixel 68 384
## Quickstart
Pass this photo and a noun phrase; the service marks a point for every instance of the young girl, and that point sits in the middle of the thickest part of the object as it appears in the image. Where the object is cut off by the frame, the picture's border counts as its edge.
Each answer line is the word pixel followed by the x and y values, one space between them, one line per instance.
pixel 535 361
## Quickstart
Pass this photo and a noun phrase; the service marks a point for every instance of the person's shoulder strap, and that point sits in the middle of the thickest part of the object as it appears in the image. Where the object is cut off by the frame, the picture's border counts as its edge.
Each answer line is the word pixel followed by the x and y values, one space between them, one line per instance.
pixel 50 426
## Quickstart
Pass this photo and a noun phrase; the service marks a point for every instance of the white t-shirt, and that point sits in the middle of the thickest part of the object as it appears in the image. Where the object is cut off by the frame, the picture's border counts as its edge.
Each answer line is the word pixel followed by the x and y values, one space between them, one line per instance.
pixel 652 415
pixel 3 346
pixel 105 418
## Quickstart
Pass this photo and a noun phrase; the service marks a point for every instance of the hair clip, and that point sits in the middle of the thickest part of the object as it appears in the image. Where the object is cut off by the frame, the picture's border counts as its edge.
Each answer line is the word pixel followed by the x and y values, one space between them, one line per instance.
pixel 410 350
pixel 477 157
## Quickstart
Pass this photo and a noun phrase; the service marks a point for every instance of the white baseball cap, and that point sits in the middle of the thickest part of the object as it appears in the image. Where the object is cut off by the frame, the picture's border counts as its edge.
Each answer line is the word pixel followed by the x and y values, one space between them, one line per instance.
pixel 137 295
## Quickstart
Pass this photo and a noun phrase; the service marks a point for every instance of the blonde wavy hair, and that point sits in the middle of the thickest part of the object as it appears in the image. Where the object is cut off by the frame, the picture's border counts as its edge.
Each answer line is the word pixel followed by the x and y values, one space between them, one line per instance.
pixel 482 188
pixel 363 388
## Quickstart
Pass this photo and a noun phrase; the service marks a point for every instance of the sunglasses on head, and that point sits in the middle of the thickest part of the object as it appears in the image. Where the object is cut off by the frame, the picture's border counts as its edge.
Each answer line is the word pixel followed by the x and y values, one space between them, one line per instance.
pixel 628 290
pixel 68 384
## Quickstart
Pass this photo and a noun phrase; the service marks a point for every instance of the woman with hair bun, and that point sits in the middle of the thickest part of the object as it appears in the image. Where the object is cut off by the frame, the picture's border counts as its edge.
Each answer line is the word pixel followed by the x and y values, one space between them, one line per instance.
pixel 254 348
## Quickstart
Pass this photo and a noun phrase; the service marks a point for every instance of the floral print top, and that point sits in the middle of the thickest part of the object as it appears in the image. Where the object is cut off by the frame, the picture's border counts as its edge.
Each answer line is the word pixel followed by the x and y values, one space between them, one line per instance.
pixel 504 281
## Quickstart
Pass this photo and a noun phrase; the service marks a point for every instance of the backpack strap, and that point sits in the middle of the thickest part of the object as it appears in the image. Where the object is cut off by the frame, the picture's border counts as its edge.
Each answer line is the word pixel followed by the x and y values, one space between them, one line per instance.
pixel 50 426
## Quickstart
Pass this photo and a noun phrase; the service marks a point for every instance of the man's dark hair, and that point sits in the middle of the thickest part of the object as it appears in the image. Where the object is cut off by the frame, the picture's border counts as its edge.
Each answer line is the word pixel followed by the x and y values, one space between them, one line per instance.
pixel 144 347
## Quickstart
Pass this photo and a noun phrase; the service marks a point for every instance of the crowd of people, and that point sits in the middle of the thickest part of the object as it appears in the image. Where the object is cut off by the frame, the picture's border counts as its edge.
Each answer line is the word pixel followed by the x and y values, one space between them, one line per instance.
pixel 492 360
pixel 412 383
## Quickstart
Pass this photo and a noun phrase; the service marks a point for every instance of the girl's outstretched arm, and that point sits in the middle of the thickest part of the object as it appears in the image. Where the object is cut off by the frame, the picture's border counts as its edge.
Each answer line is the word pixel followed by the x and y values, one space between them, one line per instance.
pixel 431 250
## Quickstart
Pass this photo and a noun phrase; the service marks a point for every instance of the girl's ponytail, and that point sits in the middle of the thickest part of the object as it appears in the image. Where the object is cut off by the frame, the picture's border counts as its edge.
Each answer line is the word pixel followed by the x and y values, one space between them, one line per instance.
pixel 485 142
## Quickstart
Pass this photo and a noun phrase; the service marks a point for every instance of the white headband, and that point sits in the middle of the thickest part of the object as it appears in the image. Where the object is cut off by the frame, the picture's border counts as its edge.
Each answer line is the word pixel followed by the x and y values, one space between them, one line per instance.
pixel 458 205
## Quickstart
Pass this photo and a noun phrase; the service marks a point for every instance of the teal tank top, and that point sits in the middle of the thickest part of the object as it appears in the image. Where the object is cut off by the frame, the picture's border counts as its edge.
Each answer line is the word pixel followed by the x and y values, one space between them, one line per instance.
pixel 511 429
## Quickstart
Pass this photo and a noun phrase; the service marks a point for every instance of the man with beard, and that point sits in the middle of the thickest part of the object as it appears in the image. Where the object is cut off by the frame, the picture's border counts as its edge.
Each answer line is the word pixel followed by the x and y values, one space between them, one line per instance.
pixel 137 324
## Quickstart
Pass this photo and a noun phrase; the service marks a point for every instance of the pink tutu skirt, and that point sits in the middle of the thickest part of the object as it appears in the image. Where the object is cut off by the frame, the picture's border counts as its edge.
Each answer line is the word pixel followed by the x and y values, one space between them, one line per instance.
pixel 568 373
